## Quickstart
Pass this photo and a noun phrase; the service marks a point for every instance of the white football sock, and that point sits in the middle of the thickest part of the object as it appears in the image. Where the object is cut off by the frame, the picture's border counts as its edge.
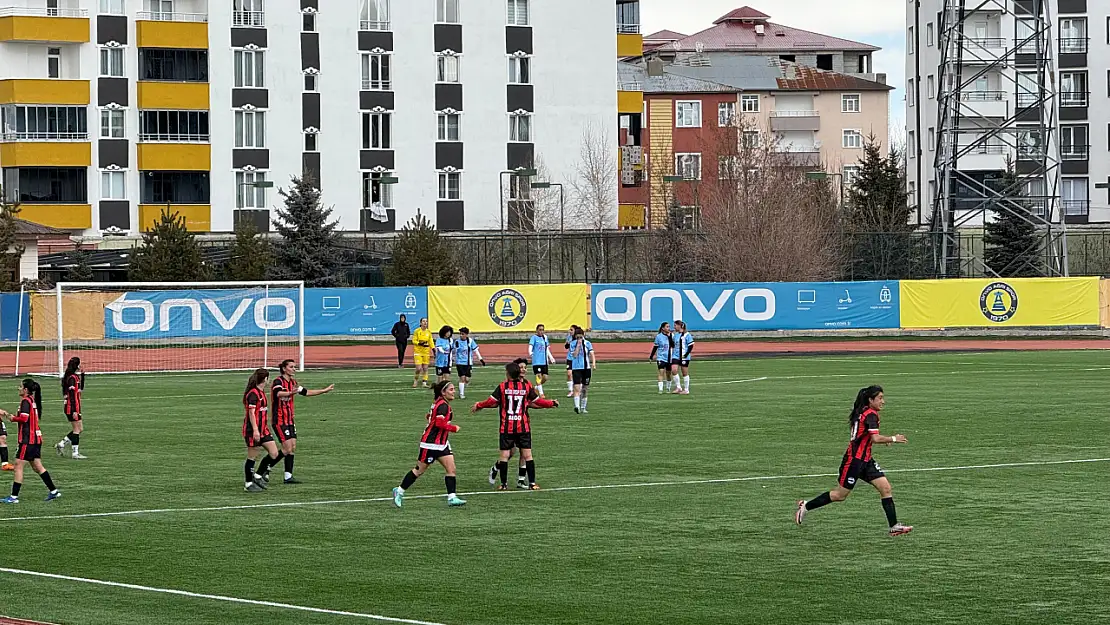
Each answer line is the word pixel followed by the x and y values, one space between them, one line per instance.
pixel 686 381
pixel 577 401
pixel 539 389
pixel 570 387
pixel 288 475
pixel 462 389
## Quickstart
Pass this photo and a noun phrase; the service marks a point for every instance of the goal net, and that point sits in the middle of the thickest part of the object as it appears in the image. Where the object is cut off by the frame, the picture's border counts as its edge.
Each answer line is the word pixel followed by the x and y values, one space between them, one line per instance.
pixel 140 327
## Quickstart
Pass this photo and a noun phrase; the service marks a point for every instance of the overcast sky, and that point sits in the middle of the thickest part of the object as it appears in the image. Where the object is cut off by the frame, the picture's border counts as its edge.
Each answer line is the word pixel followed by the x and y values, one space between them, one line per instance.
pixel 877 22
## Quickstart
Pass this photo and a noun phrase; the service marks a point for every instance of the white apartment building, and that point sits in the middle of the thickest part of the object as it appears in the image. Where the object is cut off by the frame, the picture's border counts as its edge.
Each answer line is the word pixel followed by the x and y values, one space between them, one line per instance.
pixel 112 110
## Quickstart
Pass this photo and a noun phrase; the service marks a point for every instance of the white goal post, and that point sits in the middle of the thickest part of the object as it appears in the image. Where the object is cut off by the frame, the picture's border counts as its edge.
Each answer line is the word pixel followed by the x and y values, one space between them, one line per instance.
pixel 149 327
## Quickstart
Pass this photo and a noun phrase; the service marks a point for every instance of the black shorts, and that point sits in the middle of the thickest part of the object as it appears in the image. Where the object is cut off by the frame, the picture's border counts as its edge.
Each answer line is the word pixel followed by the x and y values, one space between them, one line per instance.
pixel 443 370
pixel 663 366
pixel 520 441
pixel 465 371
pixel 73 417
pixel 257 442
pixel 570 367
pixel 540 370
pixel 684 363
pixel 852 470
pixel 582 376
pixel 429 456
pixel 29 452
pixel 675 362
pixel 285 432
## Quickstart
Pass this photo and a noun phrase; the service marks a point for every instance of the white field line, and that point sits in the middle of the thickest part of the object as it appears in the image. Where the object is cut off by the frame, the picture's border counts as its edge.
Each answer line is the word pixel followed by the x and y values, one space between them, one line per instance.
pixel 562 489
pixel 198 595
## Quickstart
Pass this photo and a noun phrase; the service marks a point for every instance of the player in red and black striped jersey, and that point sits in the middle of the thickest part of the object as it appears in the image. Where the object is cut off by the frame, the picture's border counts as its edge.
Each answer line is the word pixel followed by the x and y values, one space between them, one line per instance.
pixel 30 440
pixel 285 388
pixel 434 446
pixel 73 383
pixel 514 397
pixel 522 466
pixel 257 434
pixel 859 464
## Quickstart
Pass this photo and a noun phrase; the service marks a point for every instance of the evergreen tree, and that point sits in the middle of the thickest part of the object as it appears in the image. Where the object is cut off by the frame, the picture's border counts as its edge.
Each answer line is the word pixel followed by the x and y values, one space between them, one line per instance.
pixel 309 246
pixel 169 253
pixel 1013 248
pixel 82 271
pixel 10 249
pixel 877 216
pixel 421 257
pixel 251 258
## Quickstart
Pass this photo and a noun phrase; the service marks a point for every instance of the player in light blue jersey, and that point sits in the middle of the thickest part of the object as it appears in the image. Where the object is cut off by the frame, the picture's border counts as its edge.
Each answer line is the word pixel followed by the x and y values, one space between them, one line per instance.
pixel 583 362
pixel 442 351
pixel 464 351
pixel 539 349
pixel 661 354
pixel 570 369
pixel 684 350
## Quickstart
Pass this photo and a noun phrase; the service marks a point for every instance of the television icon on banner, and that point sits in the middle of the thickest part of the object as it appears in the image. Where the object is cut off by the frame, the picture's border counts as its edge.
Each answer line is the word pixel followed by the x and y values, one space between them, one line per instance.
pixel 807 296
pixel 332 303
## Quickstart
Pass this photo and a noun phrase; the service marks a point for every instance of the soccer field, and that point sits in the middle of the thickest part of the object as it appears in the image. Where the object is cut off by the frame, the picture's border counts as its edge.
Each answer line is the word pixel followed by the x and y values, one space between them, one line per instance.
pixel 654 509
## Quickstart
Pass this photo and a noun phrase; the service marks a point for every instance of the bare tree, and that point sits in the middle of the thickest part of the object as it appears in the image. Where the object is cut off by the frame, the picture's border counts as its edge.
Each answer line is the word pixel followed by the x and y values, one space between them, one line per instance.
pixel 593 187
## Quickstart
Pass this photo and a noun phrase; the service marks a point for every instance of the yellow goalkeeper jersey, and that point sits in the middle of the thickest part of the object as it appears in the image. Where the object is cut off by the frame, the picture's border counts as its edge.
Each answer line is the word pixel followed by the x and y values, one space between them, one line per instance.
pixel 422 342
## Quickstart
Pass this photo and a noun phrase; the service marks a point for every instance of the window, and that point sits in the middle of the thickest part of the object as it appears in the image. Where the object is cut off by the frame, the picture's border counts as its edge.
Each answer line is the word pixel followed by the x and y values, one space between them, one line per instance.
pixel 910 93
pixel 113 185
pixel 688 114
pixel 750 139
pixel 909 41
pixel 691 216
pixel 159 9
pixel 1073 89
pixel 376 72
pixel 54 62
pixel 520 128
pixel 248 13
pixel 374 15
pixel 1073 35
pixel 52 185
pixel 932 136
pixel 1073 195
pixel 311 142
pixel 377 131
pixel 450 185
pixel 249 70
pixel 308 22
pixel 929 34
pixel 825 62
pixel 520 70
pixel 448 127
pixel 853 139
pixel 688 166
pixel 447 11
pixel 931 88
pixel 628 18
pixel 175 187
pixel 247 194
pixel 850 173
pixel 1074 143
pixel 173 65
pixel 111 62
pixel 518 13
pixel 375 192
pixel 1028 91
pixel 111 7
pixel 911 144
pixel 173 126
pixel 42 122
pixel 728 168
pixel 1025 36
pixel 311 82
pixel 250 129
pixel 726 114
pixel 112 124
pixel 447 68
pixel 850 103
pixel 52 8
pixel 749 103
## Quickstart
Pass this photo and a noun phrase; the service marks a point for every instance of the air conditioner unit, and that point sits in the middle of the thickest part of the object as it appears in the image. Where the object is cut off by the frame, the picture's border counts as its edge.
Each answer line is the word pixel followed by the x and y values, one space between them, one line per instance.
pixel 760 29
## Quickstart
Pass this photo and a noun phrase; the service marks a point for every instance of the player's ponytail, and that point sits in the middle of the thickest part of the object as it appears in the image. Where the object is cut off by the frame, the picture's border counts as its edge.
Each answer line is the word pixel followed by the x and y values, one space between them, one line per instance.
pixel 35 391
pixel 863 401
pixel 662 327
pixel 71 368
pixel 437 390
pixel 258 377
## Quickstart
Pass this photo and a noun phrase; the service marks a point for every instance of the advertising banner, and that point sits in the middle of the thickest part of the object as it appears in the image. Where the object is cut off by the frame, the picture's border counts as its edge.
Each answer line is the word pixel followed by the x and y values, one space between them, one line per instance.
pixel 514 308
pixel 979 303
pixel 362 312
pixel 746 306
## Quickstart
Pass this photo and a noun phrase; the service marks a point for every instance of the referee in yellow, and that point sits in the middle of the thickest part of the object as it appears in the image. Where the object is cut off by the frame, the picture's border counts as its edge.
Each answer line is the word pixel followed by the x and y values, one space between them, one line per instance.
pixel 421 353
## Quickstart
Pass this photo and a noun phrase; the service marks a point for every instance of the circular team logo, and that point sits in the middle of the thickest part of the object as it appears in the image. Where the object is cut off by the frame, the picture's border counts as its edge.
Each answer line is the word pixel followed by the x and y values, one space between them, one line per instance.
pixel 999 302
pixel 507 308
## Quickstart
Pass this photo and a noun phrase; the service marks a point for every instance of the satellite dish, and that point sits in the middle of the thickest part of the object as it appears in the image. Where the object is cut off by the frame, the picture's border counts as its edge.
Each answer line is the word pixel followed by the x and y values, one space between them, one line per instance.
pixel 699 47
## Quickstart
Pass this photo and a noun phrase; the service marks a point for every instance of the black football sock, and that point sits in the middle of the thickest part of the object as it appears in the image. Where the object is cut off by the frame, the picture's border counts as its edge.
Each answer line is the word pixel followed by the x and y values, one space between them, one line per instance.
pixel 410 479
pixel 503 471
pixel 522 472
pixel 449 482
pixel 280 457
pixel 289 464
pixel 74 438
pixel 265 465
pixel 821 500
pixel 888 508
pixel 248 470
pixel 49 482
pixel 531 469
pixel 15 488
pixel 4 454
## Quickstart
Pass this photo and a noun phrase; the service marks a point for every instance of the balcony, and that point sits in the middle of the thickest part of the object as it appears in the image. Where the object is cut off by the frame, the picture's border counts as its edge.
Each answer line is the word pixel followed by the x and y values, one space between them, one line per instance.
pixel 628 29
pixel 175 157
pixel 160 16
pixel 985 103
pixel 46 154
pixel 172 30
pixel 1073 99
pixel 248 19
pixel 983 49
pixel 1073 45
pixel 198 217
pixel 27 24
pixel 1071 152
pixel 1076 208
pixel 190 96
pixel 800 155
pixel 795 120
pixel 44 91
pixel 14 137
pixel 163 137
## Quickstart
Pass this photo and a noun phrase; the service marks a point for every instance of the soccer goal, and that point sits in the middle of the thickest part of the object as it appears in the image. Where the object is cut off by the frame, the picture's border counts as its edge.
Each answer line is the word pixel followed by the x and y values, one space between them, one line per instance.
pixel 147 327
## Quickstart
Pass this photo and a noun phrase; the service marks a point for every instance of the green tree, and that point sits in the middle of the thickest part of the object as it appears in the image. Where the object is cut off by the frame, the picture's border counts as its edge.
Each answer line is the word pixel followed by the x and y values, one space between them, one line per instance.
pixel 82 271
pixel 421 257
pixel 251 258
pixel 169 253
pixel 1013 248
pixel 309 246
pixel 10 248
pixel 876 216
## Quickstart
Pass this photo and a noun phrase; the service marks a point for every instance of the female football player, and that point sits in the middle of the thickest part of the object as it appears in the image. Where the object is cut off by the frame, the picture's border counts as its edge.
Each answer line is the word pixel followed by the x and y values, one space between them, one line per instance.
pixel 257 433
pixel 442 354
pixel 73 383
pixel 434 446
pixel 661 354
pixel 30 440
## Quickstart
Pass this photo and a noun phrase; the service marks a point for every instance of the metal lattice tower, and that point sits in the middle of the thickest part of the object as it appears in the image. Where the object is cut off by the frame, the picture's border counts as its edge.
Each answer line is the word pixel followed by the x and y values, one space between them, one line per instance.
pixel 982 132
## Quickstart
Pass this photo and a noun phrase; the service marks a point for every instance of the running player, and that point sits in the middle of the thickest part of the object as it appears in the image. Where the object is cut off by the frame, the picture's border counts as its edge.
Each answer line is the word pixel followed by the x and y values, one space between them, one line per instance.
pixel 583 362
pixel 858 463
pixel 434 446
pixel 257 434
pixel 30 440
pixel 442 353
pixel 514 396
pixel 464 351
pixel 539 349
pixel 684 348
pixel 73 383
pixel 570 369
pixel 285 387
pixel 421 353
pixel 661 354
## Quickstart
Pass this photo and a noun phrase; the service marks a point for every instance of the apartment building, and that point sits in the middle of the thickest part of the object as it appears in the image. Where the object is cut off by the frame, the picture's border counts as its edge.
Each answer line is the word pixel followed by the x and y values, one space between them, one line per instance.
pixel 113 110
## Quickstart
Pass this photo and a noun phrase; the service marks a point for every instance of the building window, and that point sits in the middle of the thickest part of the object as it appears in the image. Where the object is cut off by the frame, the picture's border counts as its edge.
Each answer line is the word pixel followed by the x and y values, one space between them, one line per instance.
pixel 175 187
pixel 688 114
pixel 376 72
pixel 929 34
pixel 932 136
pixel 1074 196
pixel 377 131
pixel 726 114
pixel 688 166
pixel 1073 89
pixel 1074 143
pixel 159 9
pixel 447 11
pixel 749 103
pixel 518 13
pixel 749 139
pixel 248 13
pixel 450 185
pixel 728 168
pixel 850 172
pixel 249 68
pixel 54 62
pixel 112 124
pixel 42 122
pixel 911 144
pixel 910 97
pixel 448 127
pixel 853 139
pixel 520 70
pixel 250 129
pixel 308 22
pixel 931 86
pixel 111 7
pixel 850 103
pixel 447 68
pixel 520 128
pixel 173 65
pixel 113 185
pixel 50 185
pixel 374 15
pixel 248 191
pixel 311 82
pixel 628 18
pixel 1073 35
pixel 375 193
pixel 111 62
pixel 174 126
pixel 311 142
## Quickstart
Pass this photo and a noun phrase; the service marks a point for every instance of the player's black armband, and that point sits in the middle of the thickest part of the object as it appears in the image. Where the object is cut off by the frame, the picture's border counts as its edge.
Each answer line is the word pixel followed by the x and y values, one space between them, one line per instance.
pixel 303 391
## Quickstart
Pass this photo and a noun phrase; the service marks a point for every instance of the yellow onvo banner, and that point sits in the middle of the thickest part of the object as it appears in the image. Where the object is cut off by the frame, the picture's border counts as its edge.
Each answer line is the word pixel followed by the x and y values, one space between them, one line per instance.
pixel 990 303
pixel 82 315
pixel 513 308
